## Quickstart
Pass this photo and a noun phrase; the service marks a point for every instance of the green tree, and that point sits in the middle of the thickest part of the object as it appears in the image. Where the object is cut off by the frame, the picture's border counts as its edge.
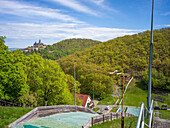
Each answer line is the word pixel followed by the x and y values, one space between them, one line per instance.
pixel 13 74
pixel 54 88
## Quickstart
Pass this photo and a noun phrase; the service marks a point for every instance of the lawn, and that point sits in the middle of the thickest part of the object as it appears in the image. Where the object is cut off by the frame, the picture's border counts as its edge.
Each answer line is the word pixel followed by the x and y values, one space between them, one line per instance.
pixel 108 100
pixel 165 114
pixel 10 114
pixel 166 102
pixel 130 122
pixel 96 109
pixel 134 96
pixel 114 109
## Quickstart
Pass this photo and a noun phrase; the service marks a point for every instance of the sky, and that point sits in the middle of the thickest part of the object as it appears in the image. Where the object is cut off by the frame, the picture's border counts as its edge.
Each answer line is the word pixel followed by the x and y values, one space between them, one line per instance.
pixel 25 21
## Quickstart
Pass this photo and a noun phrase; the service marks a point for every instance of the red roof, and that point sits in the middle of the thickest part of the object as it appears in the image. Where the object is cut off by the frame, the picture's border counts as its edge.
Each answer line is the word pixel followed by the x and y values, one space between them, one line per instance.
pixel 84 98
pixel 50 52
pixel 29 48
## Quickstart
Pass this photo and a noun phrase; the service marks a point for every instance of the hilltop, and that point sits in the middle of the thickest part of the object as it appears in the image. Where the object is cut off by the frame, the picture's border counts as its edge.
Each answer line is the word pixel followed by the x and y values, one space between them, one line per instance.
pixel 127 54
pixel 64 48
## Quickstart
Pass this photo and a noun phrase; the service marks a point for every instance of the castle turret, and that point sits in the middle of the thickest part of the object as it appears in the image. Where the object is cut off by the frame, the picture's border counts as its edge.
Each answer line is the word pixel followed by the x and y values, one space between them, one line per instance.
pixel 39 41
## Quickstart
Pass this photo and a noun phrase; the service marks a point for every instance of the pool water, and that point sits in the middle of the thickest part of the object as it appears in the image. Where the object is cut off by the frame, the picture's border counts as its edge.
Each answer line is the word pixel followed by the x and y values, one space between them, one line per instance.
pixel 63 120
pixel 133 111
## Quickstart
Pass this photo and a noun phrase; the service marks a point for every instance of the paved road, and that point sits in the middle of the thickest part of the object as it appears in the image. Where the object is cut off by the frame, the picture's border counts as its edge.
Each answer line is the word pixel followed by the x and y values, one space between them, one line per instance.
pixel 102 108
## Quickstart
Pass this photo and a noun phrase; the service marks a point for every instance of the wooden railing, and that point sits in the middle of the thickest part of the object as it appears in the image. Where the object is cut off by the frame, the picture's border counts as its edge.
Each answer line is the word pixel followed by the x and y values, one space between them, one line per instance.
pixel 102 118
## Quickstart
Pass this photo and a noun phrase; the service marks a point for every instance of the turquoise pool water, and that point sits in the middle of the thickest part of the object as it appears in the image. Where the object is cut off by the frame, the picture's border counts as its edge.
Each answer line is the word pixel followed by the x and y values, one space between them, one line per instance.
pixel 133 111
pixel 63 120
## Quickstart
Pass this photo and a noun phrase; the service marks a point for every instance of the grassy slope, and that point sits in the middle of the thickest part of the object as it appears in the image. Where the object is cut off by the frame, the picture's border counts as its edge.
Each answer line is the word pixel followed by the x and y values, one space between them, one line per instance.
pixel 108 100
pixel 10 114
pixel 134 95
pixel 166 102
pixel 96 109
pixel 130 122
pixel 165 114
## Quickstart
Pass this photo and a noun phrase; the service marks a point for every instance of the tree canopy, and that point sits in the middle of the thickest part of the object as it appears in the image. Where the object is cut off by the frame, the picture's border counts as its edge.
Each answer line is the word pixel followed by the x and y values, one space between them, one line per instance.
pixel 32 80
pixel 127 54
pixel 64 48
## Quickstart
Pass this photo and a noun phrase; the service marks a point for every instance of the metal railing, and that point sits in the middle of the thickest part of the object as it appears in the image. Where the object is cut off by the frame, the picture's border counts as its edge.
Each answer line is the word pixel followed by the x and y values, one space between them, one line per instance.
pixel 141 118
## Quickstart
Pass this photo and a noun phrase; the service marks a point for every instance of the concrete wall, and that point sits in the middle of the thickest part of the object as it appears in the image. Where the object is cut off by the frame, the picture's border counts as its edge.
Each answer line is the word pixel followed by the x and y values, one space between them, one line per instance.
pixel 49 110
pixel 161 123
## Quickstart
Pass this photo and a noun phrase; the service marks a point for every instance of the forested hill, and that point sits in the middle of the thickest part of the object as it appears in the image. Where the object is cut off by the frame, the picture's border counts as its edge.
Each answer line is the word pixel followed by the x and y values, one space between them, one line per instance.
pixel 128 54
pixel 33 80
pixel 64 48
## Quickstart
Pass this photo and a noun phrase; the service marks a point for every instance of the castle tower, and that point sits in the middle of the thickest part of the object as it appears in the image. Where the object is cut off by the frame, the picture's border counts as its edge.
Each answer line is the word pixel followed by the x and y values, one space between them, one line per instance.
pixel 39 41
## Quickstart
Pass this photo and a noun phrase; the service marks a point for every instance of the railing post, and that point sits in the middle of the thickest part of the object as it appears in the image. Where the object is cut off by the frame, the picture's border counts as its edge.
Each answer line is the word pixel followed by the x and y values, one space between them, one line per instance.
pixel 143 123
pixel 140 115
pixel 92 121
pixel 111 116
pixel 116 115
pixel 103 118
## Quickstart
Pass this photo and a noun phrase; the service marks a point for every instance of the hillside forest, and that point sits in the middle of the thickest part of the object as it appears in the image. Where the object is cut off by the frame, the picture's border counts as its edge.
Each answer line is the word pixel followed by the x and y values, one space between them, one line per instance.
pixel 127 54
pixel 64 48
pixel 34 79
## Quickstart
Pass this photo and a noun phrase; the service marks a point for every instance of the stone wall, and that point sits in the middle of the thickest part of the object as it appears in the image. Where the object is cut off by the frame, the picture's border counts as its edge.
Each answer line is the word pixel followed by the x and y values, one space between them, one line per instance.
pixel 161 123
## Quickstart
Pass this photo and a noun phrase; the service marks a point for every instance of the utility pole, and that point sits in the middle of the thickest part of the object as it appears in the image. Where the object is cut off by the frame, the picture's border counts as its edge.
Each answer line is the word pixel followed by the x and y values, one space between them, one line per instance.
pixel 93 94
pixel 74 82
pixel 112 103
pixel 101 104
pixel 150 61
pixel 122 117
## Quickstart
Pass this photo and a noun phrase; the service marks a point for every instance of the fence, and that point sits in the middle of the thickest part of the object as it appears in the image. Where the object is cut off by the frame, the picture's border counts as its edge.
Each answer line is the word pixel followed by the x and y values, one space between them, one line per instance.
pixel 49 110
pixel 102 118
pixel 12 104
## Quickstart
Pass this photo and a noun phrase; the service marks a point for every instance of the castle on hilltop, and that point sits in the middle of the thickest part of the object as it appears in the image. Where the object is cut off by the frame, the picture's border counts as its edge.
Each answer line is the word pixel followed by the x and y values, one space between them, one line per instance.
pixel 39 45
pixel 35 46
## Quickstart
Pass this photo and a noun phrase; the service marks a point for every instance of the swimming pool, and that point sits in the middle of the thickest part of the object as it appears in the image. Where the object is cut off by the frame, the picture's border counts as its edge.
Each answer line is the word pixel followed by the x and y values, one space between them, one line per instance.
pixel 63 120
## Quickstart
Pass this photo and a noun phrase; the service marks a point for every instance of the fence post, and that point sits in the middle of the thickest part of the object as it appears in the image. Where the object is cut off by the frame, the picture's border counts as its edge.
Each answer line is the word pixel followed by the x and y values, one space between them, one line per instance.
pixel 103 118
pixel 111 116
pixel 92 121
pixel 116 115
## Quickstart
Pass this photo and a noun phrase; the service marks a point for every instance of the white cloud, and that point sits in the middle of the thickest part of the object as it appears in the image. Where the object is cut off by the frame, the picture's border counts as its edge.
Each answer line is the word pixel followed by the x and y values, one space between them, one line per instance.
pixel 26 10
pixel 50 33
pixel 74 4
pixel 164 25
pixel 166 14
pixel 98 2
pixel 101 4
